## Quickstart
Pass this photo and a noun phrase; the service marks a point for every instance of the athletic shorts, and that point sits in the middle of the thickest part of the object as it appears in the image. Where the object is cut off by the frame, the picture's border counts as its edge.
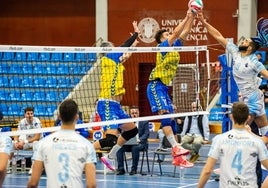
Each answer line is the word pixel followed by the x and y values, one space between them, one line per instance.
pixel 255 103
pixel 110 110
pixel 157 94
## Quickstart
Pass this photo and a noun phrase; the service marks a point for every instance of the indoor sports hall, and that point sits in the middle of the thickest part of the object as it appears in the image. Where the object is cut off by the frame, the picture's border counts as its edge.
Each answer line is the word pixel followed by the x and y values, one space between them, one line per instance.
pixel 51 51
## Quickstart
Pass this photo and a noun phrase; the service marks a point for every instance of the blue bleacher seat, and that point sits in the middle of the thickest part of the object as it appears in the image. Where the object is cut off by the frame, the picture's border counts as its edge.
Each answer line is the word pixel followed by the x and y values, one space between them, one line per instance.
pixel 27 82
pixel 4 95
pixel 92 57
pixel 8 56
pixel 39 110
pixel 26 95
pixel 76 80
pixel 27 68
pixel 56 57
pixel 4 108
pixel 63 68
pixel 51 69
pixel 39 82
pixel 51 96
pixel 80 57
pixel 86 68
pixel 75 68
pixel 50 110
pixel 44 57
pixel 64 82
pixel 63 95
pixel 14 81
pixel 1 55
pixel 14 95
pixel 4 81
pixel 4 68
pixel 68 57
pixel 15 110
pixel 51 82
pixel 32 56
pixel 39 96
pixel 15 68
pixel 20 56
pixel 39 68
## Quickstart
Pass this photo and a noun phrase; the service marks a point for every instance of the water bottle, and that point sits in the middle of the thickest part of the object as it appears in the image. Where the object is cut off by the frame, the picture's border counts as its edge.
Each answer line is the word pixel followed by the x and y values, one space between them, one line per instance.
pixel 14 165
pixel 23 165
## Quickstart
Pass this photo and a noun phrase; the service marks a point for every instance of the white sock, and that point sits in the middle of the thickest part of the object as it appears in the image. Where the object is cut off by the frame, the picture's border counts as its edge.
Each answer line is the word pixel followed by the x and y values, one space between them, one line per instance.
pixel 112 154
pixel 172 140
pixel 263 130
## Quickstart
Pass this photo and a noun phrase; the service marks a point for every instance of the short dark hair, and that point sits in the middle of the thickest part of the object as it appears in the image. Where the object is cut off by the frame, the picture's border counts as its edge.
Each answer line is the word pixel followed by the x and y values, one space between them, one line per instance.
pixel 158 35
pixel 29 108
pixel 255 45
pixel 68 110
pixel 240 112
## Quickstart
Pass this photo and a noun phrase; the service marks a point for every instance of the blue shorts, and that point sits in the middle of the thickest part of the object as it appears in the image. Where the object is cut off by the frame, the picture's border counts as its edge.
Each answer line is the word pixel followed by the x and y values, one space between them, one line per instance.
pixel 157 94
pixel 255 103
pixel 111 110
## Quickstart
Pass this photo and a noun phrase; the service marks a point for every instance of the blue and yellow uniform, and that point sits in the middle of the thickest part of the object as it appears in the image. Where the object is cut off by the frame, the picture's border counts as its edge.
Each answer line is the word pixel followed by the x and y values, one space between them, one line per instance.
pixel 161 76
pixel 112 85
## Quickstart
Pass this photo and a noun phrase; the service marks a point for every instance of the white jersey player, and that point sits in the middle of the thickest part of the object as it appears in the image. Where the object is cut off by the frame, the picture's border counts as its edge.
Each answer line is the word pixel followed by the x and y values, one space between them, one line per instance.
pixel 65 155
pixel 5 149
pixel 238 151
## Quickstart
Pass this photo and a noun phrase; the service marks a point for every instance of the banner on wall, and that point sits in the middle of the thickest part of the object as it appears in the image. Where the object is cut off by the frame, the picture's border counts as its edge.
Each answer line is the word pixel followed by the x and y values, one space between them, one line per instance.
pixel 149 26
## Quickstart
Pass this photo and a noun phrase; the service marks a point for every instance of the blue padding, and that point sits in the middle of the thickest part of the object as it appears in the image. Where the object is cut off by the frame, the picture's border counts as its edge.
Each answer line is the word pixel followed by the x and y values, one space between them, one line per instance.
pixel 216 114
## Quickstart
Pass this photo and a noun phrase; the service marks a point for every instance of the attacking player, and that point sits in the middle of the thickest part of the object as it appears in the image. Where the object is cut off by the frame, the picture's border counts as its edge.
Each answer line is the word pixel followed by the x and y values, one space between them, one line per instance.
pixel 160 78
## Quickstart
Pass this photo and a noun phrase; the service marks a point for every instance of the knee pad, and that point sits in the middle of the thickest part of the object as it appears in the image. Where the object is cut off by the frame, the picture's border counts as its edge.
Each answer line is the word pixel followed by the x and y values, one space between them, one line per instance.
pixel 109 141
pixel 127 135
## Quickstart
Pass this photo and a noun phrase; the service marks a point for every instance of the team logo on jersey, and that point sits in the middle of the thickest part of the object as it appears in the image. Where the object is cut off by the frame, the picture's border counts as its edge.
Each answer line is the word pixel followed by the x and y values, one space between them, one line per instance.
pixel 230 136
pixel 254 154
pixel 55 139
pixel 148 27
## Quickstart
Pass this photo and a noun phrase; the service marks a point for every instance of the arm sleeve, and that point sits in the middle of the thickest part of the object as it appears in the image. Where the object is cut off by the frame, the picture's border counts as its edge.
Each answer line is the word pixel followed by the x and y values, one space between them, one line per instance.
pixel 130 41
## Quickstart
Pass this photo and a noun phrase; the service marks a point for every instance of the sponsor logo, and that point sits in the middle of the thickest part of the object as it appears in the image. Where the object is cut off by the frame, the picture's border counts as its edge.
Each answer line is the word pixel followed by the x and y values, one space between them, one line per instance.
pixel 148 27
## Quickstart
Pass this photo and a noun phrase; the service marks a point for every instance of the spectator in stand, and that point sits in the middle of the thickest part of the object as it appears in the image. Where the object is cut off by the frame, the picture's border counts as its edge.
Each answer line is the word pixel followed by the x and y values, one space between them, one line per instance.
pixel 139 144
pixel 27 123
pixel 28 141
pixel 195 132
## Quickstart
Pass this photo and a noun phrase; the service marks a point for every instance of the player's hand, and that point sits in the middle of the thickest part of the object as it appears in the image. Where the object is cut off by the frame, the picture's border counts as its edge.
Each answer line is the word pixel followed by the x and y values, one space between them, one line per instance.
pixel 135 26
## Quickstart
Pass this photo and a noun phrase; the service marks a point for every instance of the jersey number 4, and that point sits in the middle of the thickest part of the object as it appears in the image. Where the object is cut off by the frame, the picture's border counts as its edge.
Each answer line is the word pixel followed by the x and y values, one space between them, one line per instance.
pixel 237 161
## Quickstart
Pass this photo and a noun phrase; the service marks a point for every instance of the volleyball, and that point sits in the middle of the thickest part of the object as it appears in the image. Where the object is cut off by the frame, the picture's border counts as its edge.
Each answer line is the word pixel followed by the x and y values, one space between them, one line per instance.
pixel 195 5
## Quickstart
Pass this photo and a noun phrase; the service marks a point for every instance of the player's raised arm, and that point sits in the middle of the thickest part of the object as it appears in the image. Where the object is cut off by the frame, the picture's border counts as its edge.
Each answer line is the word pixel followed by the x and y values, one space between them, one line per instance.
pixel 212 31
pixel 179 29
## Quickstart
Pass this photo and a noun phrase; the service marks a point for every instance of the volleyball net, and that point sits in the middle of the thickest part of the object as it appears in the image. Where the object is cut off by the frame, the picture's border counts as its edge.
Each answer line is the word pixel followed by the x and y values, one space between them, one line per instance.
pixel 43 76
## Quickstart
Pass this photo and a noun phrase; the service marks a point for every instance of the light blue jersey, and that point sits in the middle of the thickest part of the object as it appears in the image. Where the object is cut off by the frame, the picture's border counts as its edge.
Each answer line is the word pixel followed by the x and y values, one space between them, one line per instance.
pixel 245 71
pixel 238 152
pixel 64 154
pixel 5 144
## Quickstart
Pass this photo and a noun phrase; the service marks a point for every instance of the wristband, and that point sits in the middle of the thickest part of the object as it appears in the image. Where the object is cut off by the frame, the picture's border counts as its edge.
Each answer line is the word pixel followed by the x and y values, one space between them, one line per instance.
pixel 26 141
